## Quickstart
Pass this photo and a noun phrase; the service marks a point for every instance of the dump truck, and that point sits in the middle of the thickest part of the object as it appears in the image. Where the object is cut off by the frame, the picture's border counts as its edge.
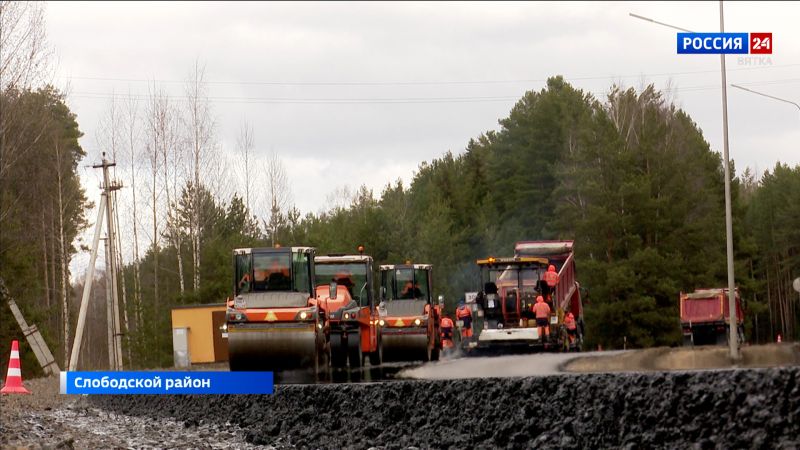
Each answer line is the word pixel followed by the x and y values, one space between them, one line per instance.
pixel 705 317
pixel 272 321
pixel 409 321
pixel 346 300
pixel 509 287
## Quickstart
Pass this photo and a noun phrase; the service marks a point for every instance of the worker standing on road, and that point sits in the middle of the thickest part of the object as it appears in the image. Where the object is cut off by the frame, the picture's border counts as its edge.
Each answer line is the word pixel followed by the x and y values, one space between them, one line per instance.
pixel 542 311
pixel 464 314
pixel 572 327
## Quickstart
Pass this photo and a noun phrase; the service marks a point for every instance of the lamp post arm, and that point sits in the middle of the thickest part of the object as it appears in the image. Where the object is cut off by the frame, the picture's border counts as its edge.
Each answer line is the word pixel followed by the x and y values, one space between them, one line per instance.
pixel 766 95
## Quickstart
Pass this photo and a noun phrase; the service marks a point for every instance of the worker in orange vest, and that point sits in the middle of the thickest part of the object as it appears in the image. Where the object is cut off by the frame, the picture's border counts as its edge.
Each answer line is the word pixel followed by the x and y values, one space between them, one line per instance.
pixel 464 314
pixel 446 326
pixel 542 311
pixel 572 327
pixel 551 279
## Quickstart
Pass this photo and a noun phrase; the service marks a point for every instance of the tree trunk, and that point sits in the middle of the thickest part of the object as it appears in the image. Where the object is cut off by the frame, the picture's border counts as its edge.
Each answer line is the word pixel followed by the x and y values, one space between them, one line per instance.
pixel 124 289
pixel 44 264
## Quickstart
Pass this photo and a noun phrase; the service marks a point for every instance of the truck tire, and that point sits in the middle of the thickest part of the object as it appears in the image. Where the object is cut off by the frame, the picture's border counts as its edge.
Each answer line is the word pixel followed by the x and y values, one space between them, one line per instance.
pixel 687 340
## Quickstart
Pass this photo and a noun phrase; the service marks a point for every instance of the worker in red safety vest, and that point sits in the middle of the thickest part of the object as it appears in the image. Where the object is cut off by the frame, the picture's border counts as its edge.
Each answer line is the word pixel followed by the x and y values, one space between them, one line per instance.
pixel 464 314
pixel 572 327
pixel 542 311
pixel 551 279
pixel 446 325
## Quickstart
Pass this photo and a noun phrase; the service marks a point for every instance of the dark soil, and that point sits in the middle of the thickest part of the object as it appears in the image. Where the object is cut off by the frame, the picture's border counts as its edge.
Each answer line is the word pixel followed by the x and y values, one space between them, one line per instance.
pixel 750 408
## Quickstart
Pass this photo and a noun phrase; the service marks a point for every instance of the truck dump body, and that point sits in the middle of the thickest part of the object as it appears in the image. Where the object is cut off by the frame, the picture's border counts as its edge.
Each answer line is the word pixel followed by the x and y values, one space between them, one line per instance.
pixel 705 316
pixel 708 305
pixel 560 254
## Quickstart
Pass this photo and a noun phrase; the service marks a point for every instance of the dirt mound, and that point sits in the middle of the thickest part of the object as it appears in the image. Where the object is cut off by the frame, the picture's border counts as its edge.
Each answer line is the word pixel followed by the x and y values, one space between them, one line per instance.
pixel 686 358
pixel 751 408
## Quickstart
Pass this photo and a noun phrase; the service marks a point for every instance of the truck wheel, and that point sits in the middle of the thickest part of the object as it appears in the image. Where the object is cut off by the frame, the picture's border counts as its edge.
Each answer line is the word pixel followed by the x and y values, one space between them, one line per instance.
pixel 338 351
pixel 354 353
pixel 687 340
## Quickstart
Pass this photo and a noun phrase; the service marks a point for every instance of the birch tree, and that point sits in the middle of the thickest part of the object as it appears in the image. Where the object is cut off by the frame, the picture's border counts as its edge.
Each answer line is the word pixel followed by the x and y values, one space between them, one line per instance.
pixel 279 195
pixel 200 131
pixel 132 142
pixel 244 146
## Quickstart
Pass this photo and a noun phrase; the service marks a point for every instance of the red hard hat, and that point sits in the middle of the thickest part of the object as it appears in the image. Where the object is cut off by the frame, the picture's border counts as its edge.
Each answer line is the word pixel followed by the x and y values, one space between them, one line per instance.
pixel 539 299
pixel 570 315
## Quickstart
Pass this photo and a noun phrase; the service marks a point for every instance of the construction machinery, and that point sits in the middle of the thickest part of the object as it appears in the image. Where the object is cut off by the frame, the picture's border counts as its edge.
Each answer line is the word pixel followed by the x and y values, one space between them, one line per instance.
pixel 273 322
pixel 409 321
pixel 705 317
pixel 345 297
pixel 509 287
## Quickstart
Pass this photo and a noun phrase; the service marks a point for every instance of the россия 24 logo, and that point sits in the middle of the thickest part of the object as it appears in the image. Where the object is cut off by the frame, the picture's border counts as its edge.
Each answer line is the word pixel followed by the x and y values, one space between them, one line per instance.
pixel 728 43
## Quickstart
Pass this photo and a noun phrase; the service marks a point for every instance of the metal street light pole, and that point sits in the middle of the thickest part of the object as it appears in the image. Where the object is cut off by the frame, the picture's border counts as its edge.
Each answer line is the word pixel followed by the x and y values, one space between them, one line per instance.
pixel 733 328
pixel 766 95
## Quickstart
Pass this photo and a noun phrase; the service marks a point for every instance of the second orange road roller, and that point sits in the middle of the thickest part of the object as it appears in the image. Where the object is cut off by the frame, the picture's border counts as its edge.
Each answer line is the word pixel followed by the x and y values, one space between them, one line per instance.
pixel 346 298
pixel 410 323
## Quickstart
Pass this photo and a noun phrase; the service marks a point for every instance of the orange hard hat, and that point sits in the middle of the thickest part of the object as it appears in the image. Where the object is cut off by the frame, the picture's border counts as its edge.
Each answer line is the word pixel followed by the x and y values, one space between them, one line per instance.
pixel 552 268
pixel 570 315
pixel 539 299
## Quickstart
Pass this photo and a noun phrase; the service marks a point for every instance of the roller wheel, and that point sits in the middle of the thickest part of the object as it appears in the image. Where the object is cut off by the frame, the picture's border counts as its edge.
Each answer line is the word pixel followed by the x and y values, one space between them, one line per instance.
pixel 426 356
pixel 354 354
pixel 376 357
pixel 338 351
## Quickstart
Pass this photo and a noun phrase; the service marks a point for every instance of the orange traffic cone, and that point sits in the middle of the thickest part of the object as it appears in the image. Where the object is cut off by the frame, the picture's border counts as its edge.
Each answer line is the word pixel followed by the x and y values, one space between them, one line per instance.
pixel 14 377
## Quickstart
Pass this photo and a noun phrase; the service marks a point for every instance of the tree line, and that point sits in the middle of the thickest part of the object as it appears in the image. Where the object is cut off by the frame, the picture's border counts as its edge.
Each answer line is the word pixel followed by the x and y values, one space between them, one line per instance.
pixel 629 177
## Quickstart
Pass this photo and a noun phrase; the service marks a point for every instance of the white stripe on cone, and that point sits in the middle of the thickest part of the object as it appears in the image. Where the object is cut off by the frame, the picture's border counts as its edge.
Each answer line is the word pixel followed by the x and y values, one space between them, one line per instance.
pixel 15 354
pixel 14 372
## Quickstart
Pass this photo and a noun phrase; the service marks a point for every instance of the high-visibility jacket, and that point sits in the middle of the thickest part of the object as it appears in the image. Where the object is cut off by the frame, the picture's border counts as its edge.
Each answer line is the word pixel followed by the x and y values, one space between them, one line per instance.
pixel 542 310
pixel 447 328
pixel 551 278
pixel 464 314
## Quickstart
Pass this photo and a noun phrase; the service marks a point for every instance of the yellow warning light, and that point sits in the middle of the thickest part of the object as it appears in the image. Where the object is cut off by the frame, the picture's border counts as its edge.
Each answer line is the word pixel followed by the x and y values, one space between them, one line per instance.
pixel 408 261
pixel 492 260
pixel 361 249
pixel 277 245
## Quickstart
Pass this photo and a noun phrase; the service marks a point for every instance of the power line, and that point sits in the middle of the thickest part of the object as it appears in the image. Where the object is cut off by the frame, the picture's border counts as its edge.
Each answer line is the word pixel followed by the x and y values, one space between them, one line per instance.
pixel 412 83
pixel 385 100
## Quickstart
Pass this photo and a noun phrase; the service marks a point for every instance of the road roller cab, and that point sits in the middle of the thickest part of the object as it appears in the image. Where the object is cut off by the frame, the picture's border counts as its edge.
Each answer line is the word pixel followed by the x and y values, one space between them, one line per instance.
pixel 409 320
pixel 345 296
pixel 272 321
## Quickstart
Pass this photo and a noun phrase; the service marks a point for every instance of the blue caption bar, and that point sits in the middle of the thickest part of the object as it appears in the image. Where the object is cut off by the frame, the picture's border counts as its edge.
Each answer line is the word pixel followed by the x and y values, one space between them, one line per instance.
pixel 713 43
pixel 159 383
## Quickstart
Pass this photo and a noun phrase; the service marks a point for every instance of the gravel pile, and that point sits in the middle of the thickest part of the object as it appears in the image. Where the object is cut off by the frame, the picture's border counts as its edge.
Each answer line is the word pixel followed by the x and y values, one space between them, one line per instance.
pixel 752 408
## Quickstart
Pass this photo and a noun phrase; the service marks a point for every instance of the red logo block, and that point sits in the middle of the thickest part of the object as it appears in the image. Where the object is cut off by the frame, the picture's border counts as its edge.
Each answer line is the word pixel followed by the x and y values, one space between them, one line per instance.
pixel 761 43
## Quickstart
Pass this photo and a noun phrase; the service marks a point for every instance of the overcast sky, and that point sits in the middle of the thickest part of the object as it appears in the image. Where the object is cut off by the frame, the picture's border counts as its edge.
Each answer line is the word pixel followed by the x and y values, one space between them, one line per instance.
pixel 361 93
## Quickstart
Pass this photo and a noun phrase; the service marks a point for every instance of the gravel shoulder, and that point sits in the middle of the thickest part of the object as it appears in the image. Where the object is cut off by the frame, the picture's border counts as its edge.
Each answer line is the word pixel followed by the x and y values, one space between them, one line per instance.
pixel 686 358
pixel 47 420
